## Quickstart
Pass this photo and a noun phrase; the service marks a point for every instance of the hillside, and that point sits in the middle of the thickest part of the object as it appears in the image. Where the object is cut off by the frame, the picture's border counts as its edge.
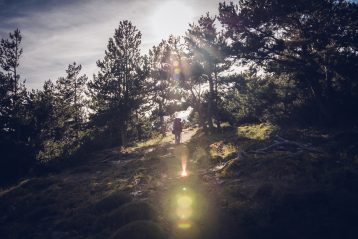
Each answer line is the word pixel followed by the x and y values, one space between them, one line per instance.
pixel 255 181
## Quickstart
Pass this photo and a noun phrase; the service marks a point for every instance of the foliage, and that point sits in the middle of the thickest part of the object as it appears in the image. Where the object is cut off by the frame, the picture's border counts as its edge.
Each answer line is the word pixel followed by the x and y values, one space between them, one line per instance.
pixel 14 121
pixel 163 82
pixel 117 89
pixel 206 50
pixel 310 42
pixel 250 99
pixel 61 130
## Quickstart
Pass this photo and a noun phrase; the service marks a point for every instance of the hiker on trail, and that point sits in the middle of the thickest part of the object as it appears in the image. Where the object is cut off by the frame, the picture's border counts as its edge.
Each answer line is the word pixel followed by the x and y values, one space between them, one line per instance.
pixel 177 128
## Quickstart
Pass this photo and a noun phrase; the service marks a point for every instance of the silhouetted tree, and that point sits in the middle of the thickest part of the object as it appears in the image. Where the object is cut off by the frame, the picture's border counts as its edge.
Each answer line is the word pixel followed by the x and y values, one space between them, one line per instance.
pixel 163 82
pixel 188 72
pixel 249 98
pixel 207 47
pixel 116 90
pixel 16 155
pixel 10 52
pixel 70 98
pixel 59 115
pixel 13 91
pixel 41 109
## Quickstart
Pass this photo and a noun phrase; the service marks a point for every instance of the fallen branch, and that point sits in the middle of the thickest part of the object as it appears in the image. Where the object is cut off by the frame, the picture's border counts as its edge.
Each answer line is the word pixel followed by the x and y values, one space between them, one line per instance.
pixel 283 144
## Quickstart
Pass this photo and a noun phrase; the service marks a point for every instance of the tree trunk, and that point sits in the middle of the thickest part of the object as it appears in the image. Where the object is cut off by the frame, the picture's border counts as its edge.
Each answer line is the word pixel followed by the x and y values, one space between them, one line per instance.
pixel 317 95
pixel 123 129
pixel 202 123
pixel 76 111
pixel 210 104
pixel 218 125
pixel 161 120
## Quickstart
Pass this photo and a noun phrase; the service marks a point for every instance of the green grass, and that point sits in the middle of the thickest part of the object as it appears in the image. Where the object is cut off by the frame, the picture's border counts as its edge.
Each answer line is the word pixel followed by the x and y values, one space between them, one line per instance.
pixel 256 131
pixel 155 140
pixel 223 145
pixel 222 149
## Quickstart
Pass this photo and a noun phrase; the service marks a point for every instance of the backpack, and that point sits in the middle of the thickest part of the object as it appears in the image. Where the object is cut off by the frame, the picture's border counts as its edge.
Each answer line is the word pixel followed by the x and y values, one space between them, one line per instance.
pixel 177 126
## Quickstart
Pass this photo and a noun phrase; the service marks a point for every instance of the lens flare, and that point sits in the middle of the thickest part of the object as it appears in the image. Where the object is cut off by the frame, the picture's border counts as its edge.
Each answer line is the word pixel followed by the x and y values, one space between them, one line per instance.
pixel 184 210
pixel 184 225
pixel 184 172
pixel 177 70
pixel 184 201
pixel 184 213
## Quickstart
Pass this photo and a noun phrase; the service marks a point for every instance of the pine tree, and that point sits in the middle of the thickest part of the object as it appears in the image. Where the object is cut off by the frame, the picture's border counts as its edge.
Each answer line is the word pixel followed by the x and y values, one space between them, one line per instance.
pixel 312 42
pixel 163 81
pixel 16 154
pixel 5 101
pixel 10 53
pixel 41 109
pixel 116 90
pixel 13 93
pixel 70 98
pixel 207 47
pixel 59 113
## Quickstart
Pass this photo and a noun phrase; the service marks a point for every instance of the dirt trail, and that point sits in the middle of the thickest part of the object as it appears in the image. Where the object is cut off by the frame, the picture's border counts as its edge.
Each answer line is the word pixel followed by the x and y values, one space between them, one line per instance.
pixel 187 134
pixel 191 205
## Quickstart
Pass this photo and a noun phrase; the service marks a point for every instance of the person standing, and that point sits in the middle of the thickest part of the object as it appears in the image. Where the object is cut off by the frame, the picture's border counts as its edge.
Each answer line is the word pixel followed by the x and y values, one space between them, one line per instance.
pixel 177 129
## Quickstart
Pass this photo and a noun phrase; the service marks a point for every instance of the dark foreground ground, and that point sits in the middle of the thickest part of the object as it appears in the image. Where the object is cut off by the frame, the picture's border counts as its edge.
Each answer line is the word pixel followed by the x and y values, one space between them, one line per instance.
pixel 251 182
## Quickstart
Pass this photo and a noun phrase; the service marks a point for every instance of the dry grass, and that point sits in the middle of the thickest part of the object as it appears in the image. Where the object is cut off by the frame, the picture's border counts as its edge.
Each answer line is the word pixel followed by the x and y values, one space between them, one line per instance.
pixel 256 131
pixel 159 139
pixel 155 140
pixel 222 149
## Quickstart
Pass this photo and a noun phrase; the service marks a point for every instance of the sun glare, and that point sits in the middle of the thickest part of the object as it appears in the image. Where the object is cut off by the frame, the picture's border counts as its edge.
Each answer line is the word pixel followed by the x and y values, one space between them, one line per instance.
pixel 184 172
pixel 171 17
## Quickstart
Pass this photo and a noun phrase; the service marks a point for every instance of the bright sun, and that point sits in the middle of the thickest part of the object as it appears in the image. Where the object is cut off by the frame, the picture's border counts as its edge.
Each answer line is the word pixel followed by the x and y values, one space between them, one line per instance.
pixel 171 17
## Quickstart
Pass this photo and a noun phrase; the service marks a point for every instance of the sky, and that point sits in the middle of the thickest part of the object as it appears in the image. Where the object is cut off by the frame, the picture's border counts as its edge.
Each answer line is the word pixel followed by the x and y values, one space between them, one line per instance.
pixel 57 33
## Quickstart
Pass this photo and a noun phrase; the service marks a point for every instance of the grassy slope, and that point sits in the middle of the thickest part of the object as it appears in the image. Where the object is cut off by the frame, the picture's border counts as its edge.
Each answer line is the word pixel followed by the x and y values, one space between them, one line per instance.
pixel 279 194
pixel 285 192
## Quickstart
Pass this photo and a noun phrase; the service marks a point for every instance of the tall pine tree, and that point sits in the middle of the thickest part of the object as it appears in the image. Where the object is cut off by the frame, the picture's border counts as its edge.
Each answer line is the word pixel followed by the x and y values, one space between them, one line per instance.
pixel 12 90
pixel 207 47
pixel 70 98
pixel 163 65
pixel 116 90
pixel 14 145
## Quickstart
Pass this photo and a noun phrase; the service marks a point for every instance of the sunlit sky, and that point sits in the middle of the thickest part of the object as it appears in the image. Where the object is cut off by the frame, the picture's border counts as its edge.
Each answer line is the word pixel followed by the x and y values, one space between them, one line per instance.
pixel 57 33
